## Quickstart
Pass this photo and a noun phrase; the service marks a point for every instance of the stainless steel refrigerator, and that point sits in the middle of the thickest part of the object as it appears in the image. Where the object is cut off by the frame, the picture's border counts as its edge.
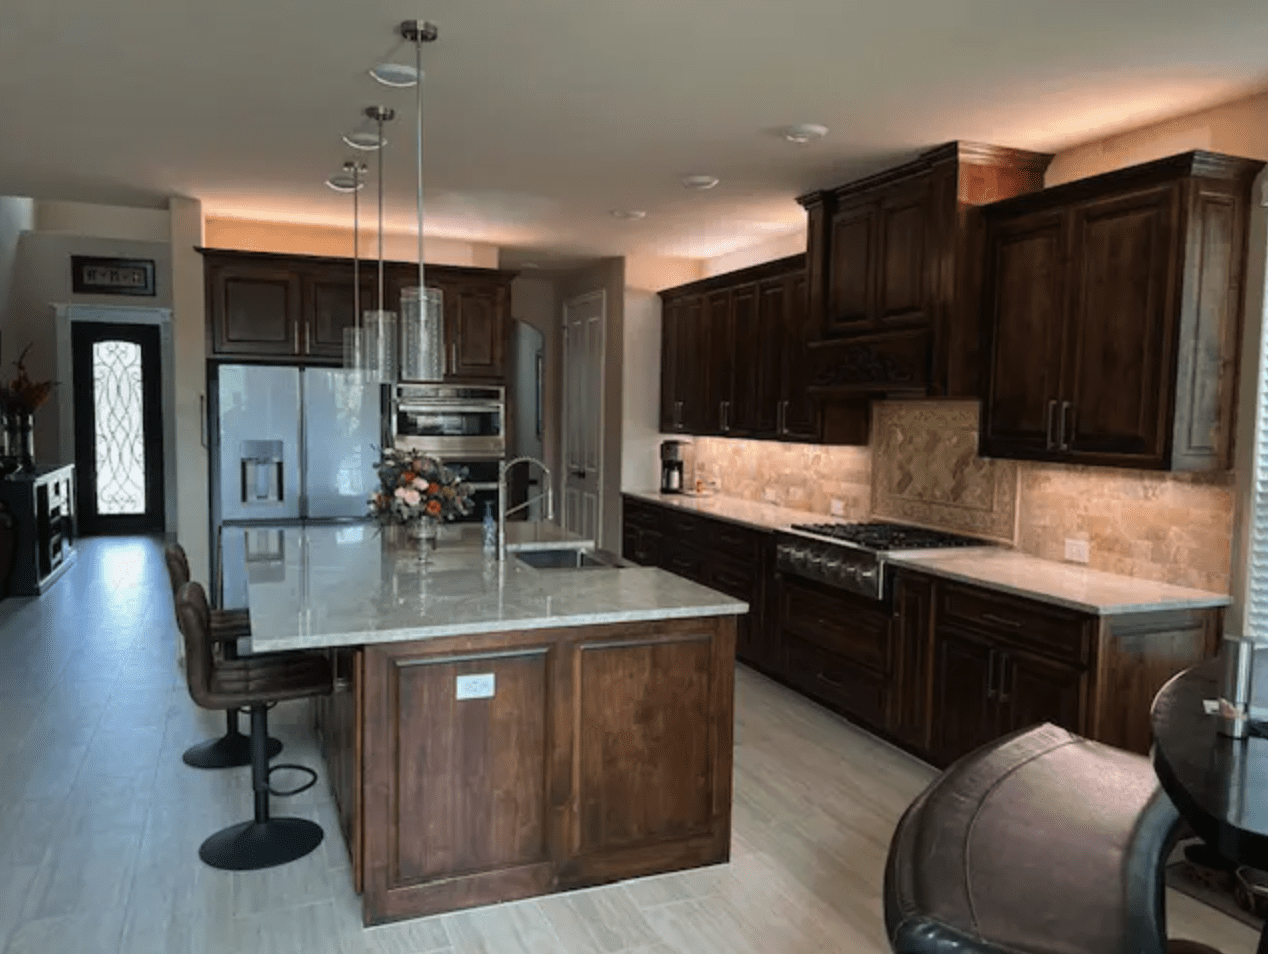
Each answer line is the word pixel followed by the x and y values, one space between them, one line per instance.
pixel 293 445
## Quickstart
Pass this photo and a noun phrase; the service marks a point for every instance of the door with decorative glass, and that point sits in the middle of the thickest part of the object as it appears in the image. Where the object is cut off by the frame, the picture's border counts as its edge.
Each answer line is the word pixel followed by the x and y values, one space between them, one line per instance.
pixel 118 428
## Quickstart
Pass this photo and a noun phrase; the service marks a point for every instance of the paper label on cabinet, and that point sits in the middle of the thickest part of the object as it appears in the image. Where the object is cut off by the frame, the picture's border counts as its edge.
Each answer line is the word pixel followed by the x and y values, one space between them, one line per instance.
pixel 475 687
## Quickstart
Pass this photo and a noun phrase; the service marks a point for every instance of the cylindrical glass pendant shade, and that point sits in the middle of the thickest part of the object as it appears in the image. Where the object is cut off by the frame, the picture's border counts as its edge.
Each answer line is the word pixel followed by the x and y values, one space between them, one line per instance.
pixel 353 349
pixel 422 338
pixel 379 344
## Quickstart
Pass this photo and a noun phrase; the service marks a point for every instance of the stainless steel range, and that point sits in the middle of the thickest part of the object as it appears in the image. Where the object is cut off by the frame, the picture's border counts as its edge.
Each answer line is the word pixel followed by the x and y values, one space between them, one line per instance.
pixel 851 556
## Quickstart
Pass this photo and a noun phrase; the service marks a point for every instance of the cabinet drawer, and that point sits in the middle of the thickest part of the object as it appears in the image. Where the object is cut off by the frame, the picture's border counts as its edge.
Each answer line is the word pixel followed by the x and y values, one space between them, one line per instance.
pixel 839 624
pixel 1039 626
pixel 733 580
pixel 734 541
pixel 684 562
pixel 641 515
pixel 686 525
pixel 837 681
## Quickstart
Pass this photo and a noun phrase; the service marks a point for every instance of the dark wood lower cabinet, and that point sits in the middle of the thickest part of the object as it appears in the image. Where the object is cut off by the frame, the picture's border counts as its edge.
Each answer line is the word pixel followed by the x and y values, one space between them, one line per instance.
pixel 946 666
pixel 603 753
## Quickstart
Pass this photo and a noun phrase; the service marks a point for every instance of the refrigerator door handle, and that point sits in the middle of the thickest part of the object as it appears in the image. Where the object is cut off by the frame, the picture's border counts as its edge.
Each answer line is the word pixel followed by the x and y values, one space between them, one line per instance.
pixel 202 419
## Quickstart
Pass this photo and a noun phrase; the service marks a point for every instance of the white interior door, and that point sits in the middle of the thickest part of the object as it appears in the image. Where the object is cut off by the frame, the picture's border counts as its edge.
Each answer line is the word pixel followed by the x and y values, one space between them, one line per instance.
pixel 584 325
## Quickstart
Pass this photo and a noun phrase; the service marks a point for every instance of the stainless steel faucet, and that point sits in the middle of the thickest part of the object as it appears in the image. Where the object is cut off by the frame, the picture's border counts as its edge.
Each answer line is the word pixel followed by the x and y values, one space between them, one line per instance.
pixel 503 512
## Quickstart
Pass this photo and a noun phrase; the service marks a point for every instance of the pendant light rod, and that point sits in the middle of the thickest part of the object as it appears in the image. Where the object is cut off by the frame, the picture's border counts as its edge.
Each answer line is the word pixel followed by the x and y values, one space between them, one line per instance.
pixel 357 169
pixel 419 33
pixel 381 115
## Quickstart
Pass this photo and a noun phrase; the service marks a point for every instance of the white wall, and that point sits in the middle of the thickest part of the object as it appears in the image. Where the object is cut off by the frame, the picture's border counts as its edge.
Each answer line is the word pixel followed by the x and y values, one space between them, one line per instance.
pixel 17 215
pixel 779 247
pixel 298 239
pixel 42 278
pixel 189 324
pixel 640 401
pixel 102 221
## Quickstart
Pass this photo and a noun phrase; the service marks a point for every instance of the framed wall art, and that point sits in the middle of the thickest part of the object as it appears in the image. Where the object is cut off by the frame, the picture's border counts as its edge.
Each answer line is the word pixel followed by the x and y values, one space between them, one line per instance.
pixel 111 276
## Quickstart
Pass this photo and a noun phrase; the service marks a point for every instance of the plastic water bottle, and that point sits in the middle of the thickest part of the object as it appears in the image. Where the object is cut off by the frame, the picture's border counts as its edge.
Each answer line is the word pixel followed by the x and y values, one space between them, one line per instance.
pixel 490 528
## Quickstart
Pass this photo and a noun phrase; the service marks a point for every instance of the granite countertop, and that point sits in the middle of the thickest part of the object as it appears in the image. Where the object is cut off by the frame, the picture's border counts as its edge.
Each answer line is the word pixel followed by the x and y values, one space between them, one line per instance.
pixel 323 586
pixel 1064 584
pixel 759 516
pixel 993 567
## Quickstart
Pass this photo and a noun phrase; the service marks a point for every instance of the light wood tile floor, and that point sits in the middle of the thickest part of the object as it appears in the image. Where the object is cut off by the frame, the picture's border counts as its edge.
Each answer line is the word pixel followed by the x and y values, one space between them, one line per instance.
pixel 102 821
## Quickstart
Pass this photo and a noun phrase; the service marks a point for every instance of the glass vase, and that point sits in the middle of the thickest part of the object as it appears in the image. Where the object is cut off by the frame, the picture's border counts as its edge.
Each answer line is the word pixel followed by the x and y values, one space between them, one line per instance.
pixel 423 531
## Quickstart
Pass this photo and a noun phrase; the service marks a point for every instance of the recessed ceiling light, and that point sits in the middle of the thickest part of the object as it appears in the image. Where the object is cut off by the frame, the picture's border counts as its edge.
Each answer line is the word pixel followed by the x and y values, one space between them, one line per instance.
pixel 700 183
pixel 805 132
pixel 628 214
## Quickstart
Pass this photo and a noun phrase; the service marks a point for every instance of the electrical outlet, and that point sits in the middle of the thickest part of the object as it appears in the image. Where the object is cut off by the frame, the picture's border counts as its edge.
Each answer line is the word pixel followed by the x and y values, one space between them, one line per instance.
pixel 838 508
pixel 1076 551
pixel 475 687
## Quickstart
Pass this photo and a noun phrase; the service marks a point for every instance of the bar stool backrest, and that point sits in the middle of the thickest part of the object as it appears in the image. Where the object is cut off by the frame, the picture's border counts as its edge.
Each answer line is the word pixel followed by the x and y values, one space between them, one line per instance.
pixel 194 619
pixel 177 566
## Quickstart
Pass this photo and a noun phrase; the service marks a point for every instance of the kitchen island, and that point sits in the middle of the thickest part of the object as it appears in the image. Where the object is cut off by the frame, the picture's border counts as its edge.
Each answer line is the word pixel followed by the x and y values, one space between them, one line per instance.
pixel 500 731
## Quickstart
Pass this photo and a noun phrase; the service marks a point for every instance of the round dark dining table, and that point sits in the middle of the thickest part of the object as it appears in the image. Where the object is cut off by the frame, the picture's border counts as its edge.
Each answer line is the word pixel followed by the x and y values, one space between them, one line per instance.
pixel 1219 785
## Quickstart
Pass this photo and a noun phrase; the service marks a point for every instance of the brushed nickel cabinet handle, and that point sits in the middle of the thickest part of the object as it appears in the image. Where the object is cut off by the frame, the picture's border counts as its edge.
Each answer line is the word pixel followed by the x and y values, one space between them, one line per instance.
pixel 1068 436
pixel 296 336
pixel 1005 670
pixel 1061 441
pixel 1052 409
pixel 990 675
pixel 779 417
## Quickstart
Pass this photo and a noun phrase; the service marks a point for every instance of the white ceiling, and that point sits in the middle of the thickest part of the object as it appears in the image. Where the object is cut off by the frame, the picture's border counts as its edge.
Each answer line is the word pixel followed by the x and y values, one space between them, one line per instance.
pixel 542 116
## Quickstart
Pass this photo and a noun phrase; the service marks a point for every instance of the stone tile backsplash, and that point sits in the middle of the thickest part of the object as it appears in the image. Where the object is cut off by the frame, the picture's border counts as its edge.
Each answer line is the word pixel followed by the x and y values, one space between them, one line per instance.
pixel 923 468
pixel 802 476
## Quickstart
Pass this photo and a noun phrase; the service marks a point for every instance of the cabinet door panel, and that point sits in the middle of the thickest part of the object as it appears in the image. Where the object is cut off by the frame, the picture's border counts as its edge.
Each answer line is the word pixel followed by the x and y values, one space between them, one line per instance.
pixel 720 322
pixel 964 712
pixel 913 599
pixel 837 623
pixel 671 317
pixel 1122 324
pixel 330 307
pixel 693 367
pixel 852 272
pixel 255 310
pixel 1025 318
pixel 1034 689
pixel 838 682
pixel 645 744
pixel 902 272
pixel 476 334
pixel 757 325
pixel 800 413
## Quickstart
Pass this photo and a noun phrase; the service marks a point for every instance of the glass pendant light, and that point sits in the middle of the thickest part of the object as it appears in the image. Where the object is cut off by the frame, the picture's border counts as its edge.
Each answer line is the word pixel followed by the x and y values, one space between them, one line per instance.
pixel 352 179
pixel 379 326
pixel 422 308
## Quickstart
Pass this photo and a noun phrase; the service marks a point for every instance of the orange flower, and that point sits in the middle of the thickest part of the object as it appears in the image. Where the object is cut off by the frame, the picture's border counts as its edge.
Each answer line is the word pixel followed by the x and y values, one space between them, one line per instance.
pixel 433 488
pixel 433 507
pixel 408 476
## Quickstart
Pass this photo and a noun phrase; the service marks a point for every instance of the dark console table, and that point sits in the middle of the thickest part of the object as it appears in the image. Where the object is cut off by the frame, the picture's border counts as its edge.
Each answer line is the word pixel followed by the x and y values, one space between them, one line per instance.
pixel 43 506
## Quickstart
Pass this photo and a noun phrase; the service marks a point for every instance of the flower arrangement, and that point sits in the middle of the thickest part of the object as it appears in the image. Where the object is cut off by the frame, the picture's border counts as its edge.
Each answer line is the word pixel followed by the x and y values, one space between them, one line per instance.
pixel 416 488
pixel 22 395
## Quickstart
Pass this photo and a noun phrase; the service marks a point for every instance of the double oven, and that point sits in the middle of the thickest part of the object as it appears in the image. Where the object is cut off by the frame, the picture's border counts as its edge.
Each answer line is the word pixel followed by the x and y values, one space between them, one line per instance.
pixel 462 425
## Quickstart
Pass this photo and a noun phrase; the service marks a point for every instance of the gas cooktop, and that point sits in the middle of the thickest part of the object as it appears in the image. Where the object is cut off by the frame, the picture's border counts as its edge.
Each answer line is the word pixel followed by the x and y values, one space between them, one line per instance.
pixel 889 536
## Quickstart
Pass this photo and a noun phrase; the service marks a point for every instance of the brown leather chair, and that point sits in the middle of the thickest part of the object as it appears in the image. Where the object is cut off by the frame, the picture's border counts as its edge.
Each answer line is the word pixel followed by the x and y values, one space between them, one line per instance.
pixel 227 626
pixel 1043 842
pixel 254 681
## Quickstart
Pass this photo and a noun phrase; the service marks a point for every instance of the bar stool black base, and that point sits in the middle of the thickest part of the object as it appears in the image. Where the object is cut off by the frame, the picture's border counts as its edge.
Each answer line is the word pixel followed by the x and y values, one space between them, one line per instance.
pixel 252 845
pixel 228 751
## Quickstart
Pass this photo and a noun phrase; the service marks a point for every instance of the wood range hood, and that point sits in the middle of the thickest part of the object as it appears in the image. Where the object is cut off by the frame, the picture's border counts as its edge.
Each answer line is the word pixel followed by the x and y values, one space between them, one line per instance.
pixel 894 265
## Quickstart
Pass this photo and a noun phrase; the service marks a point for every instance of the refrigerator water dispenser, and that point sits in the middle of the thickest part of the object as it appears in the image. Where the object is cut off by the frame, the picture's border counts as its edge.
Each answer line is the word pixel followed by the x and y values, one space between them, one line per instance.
pixel 262 472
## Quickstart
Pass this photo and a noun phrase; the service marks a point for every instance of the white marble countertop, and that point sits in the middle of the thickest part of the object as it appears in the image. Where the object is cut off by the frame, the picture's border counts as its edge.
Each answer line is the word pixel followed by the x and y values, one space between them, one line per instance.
pixel 320 586
pixel 1063 584
pixel 759 516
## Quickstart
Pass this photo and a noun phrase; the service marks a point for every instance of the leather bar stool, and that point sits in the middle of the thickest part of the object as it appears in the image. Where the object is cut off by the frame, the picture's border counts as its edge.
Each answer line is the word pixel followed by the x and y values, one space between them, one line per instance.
pixel 226 627
pixel 254 681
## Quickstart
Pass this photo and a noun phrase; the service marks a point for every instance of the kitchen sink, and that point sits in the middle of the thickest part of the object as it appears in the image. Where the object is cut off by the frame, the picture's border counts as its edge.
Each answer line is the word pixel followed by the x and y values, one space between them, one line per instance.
pixel 562 558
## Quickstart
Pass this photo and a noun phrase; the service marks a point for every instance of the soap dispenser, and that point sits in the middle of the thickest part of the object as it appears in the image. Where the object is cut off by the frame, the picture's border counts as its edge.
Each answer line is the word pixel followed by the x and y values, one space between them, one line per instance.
pixel 490 528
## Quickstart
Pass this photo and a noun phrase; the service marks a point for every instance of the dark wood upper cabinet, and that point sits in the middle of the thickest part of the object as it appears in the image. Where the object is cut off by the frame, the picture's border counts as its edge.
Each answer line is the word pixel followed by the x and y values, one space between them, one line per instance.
pixel 330 307
pixel 892 262
pixel 476 329
pixel 295 308
pixel 1112 310
pixel 798 414
pixel 256 309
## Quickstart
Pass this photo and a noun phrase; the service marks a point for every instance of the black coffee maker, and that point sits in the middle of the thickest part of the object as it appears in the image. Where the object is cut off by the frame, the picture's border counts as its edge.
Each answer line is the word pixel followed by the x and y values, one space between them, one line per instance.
pixel 671 467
